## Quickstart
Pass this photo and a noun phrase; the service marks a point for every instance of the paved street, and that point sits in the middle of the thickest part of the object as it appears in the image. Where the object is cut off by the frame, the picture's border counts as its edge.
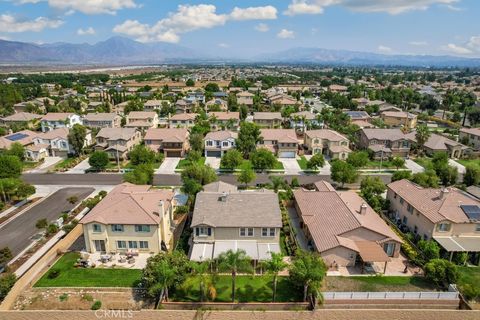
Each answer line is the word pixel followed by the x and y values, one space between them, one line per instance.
pixel 48 163
pixel 291 165
pixel 412 165
pixel 213 162
pixel 17 234
pixel 168 166
pixel 81 167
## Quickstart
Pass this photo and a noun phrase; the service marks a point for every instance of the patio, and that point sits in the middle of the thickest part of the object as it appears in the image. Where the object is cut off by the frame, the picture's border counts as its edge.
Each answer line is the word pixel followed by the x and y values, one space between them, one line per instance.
pixel 116 260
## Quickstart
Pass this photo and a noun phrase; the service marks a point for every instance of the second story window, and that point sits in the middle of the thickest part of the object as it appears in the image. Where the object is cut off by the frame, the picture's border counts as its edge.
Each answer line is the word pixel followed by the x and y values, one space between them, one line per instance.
pixel 443 227
pixel 97 228
pixel 477 228
pixel 410 208
pixel 142 228
pixel 401 201
pixel 246 232
pixel 203 231
pixel 117 227
pixel 268 232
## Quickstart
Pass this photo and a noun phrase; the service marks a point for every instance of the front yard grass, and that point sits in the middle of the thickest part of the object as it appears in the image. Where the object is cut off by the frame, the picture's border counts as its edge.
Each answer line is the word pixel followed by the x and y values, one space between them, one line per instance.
pixel 302 162
pixel 385 165
pixel 377 284
pixel 469 275
pixel 425 162
pixel 66 163
pixel 468 162
pixel 182 164
pixel 29 165
pixel 69 276
pixel 249 289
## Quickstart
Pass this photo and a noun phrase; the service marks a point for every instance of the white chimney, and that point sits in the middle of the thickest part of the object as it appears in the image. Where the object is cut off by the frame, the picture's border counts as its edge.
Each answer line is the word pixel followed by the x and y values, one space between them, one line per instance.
pixel 363 209
pixel 223 197
pixel 161 208
pixel 443 193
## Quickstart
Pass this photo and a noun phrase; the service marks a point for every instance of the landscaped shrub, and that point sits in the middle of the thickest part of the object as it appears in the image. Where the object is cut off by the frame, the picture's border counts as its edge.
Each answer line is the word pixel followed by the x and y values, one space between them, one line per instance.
pixel 96 305
pixel 53 274
pixel 87 297
pixel 442 272
pixel 470 292
pixel 63 297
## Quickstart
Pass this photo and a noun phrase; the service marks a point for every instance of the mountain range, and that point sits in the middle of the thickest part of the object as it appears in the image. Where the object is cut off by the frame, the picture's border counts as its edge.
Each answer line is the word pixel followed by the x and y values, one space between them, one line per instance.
pixel 122 51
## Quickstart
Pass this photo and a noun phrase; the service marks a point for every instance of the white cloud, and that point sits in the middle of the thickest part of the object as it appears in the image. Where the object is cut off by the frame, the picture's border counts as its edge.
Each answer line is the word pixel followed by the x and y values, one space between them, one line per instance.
pixel 10 24
pixel 453 8
pixel 262 27
pixel 188 18
pixel 389 6
pixel 474 43
pixel 453 48
pixel 87 6
pixel 286 34
pixel 418 43
pixel 87 32
pixel 384 49
pixel 224 45
pixel 254 13
pixel 2 37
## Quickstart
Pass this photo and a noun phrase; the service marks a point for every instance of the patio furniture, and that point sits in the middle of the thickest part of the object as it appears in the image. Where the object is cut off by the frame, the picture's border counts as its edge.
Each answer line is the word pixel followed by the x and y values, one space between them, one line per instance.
pixel 131 260
pixel 122 260
pixel 105 258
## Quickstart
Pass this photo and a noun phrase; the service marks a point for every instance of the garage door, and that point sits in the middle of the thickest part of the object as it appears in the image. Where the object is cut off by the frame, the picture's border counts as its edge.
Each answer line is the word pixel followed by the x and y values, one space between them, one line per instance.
pixel 216 154
pixel 287 154
pixel 174 154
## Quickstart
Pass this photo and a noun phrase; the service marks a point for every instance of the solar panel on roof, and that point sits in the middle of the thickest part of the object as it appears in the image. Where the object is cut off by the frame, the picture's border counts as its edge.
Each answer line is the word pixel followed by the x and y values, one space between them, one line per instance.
pixel 472 211
pixel 17 136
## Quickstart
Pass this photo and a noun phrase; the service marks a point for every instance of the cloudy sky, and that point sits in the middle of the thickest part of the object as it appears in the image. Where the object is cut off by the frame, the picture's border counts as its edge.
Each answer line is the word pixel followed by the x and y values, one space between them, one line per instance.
pixel 249 27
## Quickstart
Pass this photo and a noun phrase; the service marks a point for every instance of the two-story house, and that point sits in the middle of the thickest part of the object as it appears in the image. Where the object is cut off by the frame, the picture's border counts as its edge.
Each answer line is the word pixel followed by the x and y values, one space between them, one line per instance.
pixel 142 120
pixel 471 137
pixel 173 142
pixel 267 119
pixel 303 120
pixel 184 106
pixel 55 120
pixel 182 120
pixel 117 142
pixel 245 98
pixel 56 142
pixel 437 143
pixel 327 142
pixel 227 219
pixel 399 119
pixel 448 215
pixel 224 120
pixel 282 142
pixel 385 143
pixel 23 119
pixel 216 104
pixel 217 143
pixel 131 218
pixel 153 105
pixel 102 120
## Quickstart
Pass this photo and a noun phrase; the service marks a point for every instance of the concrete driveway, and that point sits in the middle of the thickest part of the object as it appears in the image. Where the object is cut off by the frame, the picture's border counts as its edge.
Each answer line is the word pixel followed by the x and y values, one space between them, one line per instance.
pixel 325 170
pixel 460 168
pixel 291 165
pixel 18 233
pixel 415 167
pixel 48 163
pixel 213 162
pixel 168 166
pixel 81 167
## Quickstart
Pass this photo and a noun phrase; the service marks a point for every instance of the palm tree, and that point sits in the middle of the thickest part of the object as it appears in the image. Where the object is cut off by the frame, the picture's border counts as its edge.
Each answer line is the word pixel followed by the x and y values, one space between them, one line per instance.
pixel 274 266
pixel 234 262
pixel 201 271
pixel 166 276
pixel 422 136
pixel 309 269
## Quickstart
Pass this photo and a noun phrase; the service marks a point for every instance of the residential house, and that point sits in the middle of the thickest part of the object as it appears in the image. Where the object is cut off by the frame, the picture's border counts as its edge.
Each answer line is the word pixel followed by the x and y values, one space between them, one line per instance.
pixel 448 215
pixel 268 119
pixel 282 142
pixel 358 115
pixel 245 98
pixel 142 120
pixel 227 219
pixel 338 88
pixel 39 103
pixel 217 143
pixel 399 119
pixel 56 143
pixel 437 143
pixel 24 137
pixel 385 143
pixel 216 104
pixel 303 120
pixel 117 142
pixel 225 120
pixel 283 100
pixel 173 142
pixel 343 229
pixel 182 120
pixel 102 120
pixel 327 142
pixel 23 119
pixel 470 136
pixel 184 106
pixel 131 218
pixel 154 105
pixel 55 120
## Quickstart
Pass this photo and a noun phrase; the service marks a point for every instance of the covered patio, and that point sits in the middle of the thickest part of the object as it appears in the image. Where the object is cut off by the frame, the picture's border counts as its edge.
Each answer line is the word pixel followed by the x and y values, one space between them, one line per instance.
pixel 370 252
pixel 459 244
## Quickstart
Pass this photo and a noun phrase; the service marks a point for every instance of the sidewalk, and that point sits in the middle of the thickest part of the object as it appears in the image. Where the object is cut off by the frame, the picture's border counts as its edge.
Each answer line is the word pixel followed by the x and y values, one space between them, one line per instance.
pixel 415 167
pixel 80 168
pixel 295 221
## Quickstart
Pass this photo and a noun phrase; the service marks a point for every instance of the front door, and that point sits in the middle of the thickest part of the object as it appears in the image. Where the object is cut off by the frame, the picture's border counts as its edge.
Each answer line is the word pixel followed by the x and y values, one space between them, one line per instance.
pixel 99 245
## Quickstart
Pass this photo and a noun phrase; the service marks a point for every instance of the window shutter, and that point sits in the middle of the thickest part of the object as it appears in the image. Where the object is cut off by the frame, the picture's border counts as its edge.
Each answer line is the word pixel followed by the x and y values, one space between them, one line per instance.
pixel 209 232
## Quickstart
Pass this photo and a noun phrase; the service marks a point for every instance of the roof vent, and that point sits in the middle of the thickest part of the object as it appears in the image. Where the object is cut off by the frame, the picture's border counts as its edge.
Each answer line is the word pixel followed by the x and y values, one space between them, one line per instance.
pixel 363 209
pixel 443 193
pixel 223 197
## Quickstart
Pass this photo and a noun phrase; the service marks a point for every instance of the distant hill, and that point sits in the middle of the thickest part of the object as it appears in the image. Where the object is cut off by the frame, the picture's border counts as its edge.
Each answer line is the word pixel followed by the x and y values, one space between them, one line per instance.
pixel 120 50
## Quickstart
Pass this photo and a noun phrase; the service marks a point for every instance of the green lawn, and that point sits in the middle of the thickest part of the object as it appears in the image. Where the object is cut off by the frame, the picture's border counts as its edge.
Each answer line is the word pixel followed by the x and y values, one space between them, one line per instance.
pixel 425 162
pixel 249 289
pixel 92 277
pixel 302 162
pixel 66 164
pixel 182 164
pixel 29 165
pixel 465 162
pixel 385 164
pixel 377 284
pixel 469 275
pixel 278 166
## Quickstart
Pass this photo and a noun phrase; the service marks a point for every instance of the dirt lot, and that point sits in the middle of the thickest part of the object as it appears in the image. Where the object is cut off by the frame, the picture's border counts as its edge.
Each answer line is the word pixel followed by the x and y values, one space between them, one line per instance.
pixel 80 299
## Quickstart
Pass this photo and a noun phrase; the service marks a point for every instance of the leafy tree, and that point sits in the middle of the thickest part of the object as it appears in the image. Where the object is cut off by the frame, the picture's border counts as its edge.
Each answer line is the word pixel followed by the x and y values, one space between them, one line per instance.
pixel 6 283
pixel 427 179
pixel 234 262
pixel 212 87
pixel 18 150
pixel 51 229
pixel 24 190
pixel 343 172
pixel 196 142
pixel 41 224
pixel 263 159
pixel 5 255
pixel 448 175
pixel 232 159
pixel 142 174
pixel 430 249
pixel 398 162
pixel 277 182
pixel 399 175
pixel 371 190
pixel 442 272
pixel 309 270
pixel 248 137
pixel 200 270
pixel 358 159
pixel 194 156
pixel 247 175
pixel 142 154
pixel 190 83
pixel 76 138
pixel 316 161
pixel 422 135
pixel 195 176
pixel 98 160
pixel 10 166
pixel 274 266
pixel 472 175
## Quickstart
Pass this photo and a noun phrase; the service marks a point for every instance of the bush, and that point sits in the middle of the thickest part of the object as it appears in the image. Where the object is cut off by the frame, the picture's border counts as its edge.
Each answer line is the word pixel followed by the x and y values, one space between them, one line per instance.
pixel 98 160
pixel 63 297
pixel 470 292
pixel 442 272
pixel 96 305
pixel 53 274
pixel 52 228
pixel 6 283
pixel 87 297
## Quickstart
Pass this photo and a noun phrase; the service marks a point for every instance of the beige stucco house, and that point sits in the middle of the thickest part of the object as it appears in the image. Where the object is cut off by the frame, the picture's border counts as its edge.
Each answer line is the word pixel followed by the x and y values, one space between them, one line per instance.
pixel 217 143
pixel 385 142
pixel 399 119
pixel 224 120
pixel 117 141
pixel 142 120
pixel 173 142
pixel 282 142
pixel 227 219
pixel 268 119
pixel 100 120
pixel 182 120
pixel 25 119
pixel 472 137
pixel 131 218
pixel 327 142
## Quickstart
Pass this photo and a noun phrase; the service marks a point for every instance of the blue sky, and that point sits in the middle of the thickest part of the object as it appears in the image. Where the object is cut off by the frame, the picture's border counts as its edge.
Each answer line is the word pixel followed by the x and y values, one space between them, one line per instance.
pixel 246 28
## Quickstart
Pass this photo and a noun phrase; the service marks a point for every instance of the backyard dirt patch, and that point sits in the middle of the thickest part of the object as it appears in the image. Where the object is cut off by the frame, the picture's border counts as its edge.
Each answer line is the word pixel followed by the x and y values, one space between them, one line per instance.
pixel 81 299
pixel 377 284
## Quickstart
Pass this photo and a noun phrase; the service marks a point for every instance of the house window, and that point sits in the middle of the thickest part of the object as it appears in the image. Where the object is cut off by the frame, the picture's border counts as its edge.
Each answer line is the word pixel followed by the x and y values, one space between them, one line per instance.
pixel 225 144
pixel 401 200
pixel 132 244
pixel 410 208
pixel 97 228
pixel 203 231
pixel 143 244
pixel 121 244
pixel 477 228
pixel 415 229
pixel 443 227
pixel 246 232
pixel 117 227
pixel 404 220
pixel 394 195
pixel 142 228
pixel 209 143
pixel 268 232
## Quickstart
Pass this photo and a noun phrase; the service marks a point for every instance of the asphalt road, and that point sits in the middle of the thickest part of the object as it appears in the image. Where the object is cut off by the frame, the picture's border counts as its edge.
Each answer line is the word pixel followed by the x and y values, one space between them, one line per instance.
pixel 90 179
pixel 18 233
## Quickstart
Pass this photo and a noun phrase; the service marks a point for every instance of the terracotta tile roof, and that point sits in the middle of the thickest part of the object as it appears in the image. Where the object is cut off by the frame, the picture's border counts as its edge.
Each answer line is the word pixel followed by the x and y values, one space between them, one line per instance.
pixel 184 116
pixel 101 116
pixel 326 134
pixel 167 135
pixel 225 115
pixel 130 204
pixel 219 187
pixel 307 114
pixel 117 133
pixel 267 116
pixel 280 135
pixel 221 135
pixel 384 134
pixel 398 114
pixel 61 133
pixel 472 131
pixel 142 115
pixel 22 116
pixel 26 138
pixel 430 202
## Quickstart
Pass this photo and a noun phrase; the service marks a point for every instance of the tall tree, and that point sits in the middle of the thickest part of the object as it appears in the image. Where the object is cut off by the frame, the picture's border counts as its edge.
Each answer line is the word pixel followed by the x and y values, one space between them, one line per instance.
pixel 234 262
pixel 76 138
pixel 248 137
pixel 422 135
pixel 273 266
pixel 308 269
pixel 343 172
pixel 200 270
pixel 247 175
pixel 10 166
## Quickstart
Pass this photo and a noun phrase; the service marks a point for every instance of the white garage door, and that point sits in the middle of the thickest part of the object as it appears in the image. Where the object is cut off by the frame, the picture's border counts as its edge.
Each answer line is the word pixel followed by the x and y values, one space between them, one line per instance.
pixel 287 154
